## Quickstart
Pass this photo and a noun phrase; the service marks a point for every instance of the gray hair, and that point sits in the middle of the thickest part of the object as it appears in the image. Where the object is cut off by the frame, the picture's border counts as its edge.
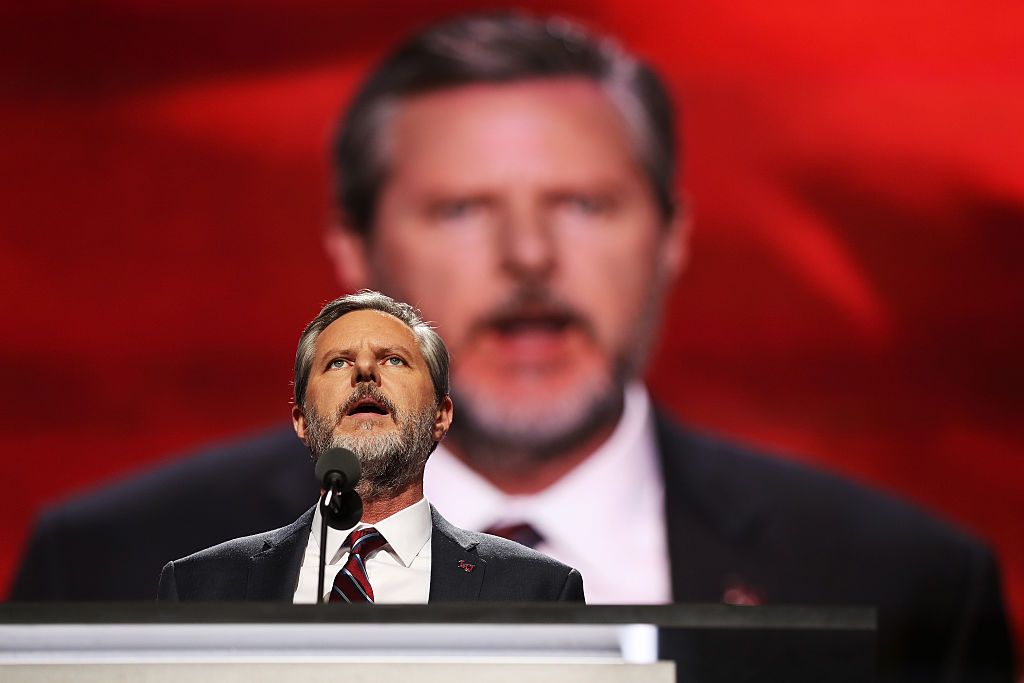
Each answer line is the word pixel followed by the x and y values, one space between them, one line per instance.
pixel 500 48
pixel 433 348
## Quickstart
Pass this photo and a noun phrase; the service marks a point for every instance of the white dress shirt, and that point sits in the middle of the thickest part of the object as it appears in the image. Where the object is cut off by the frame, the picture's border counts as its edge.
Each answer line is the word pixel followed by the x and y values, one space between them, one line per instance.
pixel 399 572
pixel 608 508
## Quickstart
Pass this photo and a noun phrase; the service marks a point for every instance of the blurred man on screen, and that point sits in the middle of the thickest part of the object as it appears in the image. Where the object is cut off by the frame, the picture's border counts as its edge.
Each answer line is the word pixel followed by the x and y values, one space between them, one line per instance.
pixel 515 178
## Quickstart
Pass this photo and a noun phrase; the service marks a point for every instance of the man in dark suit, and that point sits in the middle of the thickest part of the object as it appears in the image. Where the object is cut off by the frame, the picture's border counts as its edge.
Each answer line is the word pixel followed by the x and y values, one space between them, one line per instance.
pixel 464 567
pixel 372 377
pixel 525 199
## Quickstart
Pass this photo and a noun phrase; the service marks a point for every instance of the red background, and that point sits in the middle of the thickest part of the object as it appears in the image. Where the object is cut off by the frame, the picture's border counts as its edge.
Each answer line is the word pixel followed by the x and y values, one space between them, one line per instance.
pixel 853 297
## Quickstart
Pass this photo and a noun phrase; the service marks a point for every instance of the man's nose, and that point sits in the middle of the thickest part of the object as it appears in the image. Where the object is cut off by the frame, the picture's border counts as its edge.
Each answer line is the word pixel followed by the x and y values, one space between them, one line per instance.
pixel 366 369
pixel 527 245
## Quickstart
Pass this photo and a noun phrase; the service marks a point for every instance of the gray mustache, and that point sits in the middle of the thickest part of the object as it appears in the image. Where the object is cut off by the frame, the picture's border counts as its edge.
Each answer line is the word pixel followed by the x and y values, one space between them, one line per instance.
pixel 361 392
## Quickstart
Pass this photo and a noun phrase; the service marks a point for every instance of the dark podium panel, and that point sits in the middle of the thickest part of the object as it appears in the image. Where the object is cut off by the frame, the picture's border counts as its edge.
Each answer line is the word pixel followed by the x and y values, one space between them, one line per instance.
pixel 749 655
pixel 707 643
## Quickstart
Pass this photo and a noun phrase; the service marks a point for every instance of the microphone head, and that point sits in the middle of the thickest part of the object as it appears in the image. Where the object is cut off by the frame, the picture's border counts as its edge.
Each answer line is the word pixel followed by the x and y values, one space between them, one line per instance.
pixel 338 463
pixel 344 511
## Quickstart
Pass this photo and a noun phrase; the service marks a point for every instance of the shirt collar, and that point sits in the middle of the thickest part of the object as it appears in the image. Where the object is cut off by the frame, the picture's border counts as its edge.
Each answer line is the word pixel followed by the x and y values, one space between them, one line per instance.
pixel 406 532
pixel 621 469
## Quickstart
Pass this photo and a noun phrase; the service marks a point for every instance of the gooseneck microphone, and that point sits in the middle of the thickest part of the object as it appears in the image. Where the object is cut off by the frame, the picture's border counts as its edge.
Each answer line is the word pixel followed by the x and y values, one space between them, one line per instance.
pixel 338 471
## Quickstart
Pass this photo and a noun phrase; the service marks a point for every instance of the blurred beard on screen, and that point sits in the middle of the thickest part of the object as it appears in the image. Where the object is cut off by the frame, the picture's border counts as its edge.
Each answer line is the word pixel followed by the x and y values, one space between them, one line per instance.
pixel 497 431
pixel 390 459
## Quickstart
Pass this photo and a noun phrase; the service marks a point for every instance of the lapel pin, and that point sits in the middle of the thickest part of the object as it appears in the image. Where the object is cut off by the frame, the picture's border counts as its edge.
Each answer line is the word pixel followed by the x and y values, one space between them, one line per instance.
pixel 465 566
pixel 742 595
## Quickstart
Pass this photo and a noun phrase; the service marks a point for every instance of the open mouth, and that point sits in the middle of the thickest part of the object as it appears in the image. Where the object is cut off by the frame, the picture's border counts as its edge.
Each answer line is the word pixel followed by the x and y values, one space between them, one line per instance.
pixel 368 406
pixel 552 323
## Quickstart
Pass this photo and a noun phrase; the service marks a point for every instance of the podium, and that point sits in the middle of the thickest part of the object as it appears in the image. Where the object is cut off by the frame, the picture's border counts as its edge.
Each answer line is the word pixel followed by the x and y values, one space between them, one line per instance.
pixel 517 643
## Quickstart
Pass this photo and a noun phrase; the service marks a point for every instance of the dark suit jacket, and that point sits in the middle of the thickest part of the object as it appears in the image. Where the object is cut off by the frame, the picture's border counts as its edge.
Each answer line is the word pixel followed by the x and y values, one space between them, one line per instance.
pixel 782 533
pixel 265 567
pixel 776 531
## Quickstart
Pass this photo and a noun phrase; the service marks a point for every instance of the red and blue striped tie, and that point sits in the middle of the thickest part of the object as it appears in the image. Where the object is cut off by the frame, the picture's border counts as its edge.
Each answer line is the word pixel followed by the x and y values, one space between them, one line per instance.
pixel 351 584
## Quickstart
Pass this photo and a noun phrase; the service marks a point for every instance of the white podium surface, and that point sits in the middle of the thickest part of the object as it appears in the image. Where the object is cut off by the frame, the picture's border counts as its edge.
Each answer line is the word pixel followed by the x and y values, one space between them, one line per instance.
pixel 454 643
pixel 374 653
pixel 350 672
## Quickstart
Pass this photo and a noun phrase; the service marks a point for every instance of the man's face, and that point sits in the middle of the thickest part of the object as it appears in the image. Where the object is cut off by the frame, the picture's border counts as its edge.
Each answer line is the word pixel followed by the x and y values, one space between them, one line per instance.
pixel 370 391
pixel 517 217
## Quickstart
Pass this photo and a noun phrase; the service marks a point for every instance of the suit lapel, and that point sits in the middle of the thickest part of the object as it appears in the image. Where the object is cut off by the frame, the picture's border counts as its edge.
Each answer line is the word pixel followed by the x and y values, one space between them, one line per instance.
pixel 714 521
pixel 274 572
pixel 456 571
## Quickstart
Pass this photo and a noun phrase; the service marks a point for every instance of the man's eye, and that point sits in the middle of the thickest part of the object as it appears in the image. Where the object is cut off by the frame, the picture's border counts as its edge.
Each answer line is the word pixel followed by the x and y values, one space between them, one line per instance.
pixel 456 209
pixel 587 204
pixel 338 363
pixel 395 361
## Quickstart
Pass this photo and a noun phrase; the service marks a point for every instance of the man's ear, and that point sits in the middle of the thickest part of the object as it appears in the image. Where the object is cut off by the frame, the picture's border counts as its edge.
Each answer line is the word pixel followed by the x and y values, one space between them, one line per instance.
pixel 299 424
pixel 347 251
pixel 675 247
pixel 443 419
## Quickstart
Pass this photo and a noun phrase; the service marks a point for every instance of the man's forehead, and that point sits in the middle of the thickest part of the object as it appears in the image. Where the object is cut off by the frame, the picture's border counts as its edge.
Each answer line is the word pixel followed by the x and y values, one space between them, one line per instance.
pixel 566 89
pixel 366 327
pixel 546 131
pixel 521 100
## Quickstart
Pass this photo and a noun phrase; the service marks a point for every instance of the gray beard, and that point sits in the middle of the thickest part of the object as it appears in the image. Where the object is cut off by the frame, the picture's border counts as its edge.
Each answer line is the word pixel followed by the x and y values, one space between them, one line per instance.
pixel 496 435
pixel 390 460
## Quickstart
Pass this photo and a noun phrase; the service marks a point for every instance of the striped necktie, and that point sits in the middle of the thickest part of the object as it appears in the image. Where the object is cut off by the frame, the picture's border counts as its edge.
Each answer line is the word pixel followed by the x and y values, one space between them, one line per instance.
pixel 351 584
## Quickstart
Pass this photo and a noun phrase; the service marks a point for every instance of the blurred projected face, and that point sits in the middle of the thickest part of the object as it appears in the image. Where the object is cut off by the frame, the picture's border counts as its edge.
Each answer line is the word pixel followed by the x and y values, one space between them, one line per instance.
pixel 518 218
